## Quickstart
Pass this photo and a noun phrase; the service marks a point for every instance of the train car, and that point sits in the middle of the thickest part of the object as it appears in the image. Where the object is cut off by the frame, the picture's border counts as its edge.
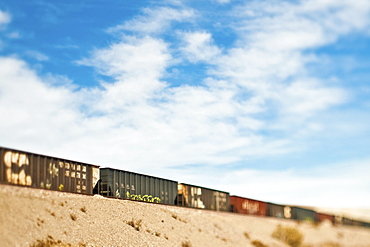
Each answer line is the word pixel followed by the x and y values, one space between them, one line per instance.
pixel 290 212
pixel 347 221
pixel 321 217
pixel 243 205
pixel 303 214
pixel 351 222
pixel 278 211
pixel 135 186
pixel 366 224
pixel 46 172
pixel 199 197
pixel 358 223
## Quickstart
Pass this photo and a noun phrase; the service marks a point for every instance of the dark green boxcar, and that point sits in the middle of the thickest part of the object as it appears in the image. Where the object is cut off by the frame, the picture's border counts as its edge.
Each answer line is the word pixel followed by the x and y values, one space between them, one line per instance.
pixel 135 186
pixel 303 214
pixel 278 211
pixel 351 222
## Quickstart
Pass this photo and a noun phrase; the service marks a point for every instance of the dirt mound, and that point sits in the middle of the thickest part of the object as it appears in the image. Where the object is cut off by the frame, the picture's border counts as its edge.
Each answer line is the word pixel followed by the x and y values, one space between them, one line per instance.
pixel 33 217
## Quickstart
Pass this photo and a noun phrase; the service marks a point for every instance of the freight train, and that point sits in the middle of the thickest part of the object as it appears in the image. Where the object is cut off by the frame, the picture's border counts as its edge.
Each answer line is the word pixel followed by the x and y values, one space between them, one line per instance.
pixel 46 172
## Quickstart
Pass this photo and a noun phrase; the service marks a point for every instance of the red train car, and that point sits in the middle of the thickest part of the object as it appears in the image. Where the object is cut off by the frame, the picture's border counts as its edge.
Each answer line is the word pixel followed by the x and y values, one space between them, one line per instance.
pixel 321 217
pixel 243 205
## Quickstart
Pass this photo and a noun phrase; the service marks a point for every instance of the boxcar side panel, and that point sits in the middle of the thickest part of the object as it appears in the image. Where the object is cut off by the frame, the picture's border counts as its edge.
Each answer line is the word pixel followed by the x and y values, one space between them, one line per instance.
pixel 45 172
pixel 303 214
pixel 134 186
pixel 203 198
pixel 248 206
pixel 321 217
pixel 278 211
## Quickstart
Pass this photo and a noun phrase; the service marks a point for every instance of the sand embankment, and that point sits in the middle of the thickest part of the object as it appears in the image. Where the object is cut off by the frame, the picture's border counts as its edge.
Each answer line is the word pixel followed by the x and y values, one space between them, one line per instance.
pixel 28 215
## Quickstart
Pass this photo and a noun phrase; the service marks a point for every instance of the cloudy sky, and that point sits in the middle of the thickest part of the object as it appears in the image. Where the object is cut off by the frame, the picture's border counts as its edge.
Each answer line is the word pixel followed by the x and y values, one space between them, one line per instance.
pixel 265 99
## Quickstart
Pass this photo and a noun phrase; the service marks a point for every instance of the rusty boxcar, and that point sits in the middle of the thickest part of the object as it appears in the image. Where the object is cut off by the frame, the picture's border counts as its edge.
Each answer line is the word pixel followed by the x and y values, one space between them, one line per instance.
pixel 46 172
pixel 135 186
pixel 321 217
pixel 247 206
pixel 199 197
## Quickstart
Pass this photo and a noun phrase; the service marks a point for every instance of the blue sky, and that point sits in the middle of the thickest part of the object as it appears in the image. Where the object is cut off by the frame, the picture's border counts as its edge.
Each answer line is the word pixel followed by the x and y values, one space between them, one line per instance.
pixel 265 99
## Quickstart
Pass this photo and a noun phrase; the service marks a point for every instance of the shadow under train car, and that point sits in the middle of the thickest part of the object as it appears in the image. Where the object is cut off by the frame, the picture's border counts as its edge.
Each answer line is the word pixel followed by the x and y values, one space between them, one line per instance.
pixel 199 197
pixel 46 172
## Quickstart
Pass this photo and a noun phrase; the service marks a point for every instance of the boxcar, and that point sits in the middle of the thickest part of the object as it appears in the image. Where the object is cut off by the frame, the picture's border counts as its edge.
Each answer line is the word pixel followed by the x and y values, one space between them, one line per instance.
pixel 199 197
pixel 46 172
pixel 278 211
pixel 135 186
pixel 303 214
pixel 366 224
pixel 357 223
pixel 243 205
pixel 290 212
pixel 351 222
pixel 321 217
pixel 347 221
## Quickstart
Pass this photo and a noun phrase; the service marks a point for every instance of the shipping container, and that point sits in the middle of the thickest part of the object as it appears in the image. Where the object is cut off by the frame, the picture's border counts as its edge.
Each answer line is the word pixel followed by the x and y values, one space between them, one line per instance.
pixel 135 186
pixel 199 197
pixel 46 172
pixel 243 205
pixel 278 211
pixel 321 217
pixel 303 214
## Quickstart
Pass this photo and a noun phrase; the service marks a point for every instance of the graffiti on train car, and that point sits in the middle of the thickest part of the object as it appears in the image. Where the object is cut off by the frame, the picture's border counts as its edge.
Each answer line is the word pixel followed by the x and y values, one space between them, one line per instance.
pixel 52 174
pixel 287 212
pixel 52 170
pixel 145 198
pixel 252 207
pixel 17 168
pixel 221 201
pixel 196 197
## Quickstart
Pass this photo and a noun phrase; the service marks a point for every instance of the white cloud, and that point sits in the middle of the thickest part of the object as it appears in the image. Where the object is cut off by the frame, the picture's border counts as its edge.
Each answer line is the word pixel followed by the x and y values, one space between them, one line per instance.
pixel 155 20
pixel 37 55
pixel 222 1
pixel 133 57
pixel 137 66
pixel 34 110
pixel 303 99
pixel 199 46
pixel 14 35
pixel 5 18
pixel 286 26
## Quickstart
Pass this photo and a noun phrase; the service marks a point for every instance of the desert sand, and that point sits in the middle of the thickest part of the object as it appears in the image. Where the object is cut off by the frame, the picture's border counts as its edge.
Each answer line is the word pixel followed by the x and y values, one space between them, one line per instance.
pixel 33 217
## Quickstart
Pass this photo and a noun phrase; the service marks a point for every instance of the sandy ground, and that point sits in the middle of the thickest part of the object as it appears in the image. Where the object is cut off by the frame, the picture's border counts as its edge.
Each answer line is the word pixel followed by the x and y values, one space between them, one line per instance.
pixel 31 215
